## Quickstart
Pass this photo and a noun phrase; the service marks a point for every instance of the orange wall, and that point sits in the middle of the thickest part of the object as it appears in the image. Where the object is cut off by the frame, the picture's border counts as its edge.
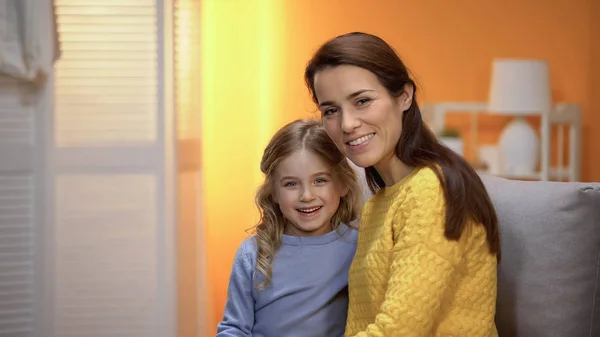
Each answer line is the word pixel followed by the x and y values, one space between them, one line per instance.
pixel 253 58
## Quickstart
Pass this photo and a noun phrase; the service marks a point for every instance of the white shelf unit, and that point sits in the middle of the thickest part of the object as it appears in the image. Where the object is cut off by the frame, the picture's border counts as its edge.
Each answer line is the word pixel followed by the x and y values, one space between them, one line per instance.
pixel 566 116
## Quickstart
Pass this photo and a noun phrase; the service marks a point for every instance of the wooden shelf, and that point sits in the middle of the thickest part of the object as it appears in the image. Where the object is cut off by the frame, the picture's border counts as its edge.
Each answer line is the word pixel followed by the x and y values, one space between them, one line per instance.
pixel 561 115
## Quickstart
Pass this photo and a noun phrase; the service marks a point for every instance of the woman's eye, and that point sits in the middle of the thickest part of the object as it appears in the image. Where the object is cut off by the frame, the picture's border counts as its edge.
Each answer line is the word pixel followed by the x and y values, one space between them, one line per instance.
pixel 363 101
pixel 329 111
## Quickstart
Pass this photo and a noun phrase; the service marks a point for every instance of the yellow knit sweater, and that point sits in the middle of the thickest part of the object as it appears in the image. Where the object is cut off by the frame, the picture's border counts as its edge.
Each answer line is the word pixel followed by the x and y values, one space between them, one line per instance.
pixel 407 279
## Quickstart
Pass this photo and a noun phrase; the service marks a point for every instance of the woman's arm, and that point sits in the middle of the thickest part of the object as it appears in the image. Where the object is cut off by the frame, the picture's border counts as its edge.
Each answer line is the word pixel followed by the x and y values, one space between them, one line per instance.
pixel 238 318
pixel 423 263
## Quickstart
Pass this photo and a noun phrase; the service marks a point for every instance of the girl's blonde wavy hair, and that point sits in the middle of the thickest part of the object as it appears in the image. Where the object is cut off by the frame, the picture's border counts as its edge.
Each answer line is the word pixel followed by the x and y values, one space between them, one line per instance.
pixel 297 135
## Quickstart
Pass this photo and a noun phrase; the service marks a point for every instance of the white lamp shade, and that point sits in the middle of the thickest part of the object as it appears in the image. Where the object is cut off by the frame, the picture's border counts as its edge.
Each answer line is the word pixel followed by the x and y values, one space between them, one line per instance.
pixel 520 87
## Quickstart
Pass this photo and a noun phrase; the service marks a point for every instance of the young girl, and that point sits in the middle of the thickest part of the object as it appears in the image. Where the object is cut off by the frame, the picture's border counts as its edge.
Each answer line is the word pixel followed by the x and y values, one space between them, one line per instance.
pixel 290 278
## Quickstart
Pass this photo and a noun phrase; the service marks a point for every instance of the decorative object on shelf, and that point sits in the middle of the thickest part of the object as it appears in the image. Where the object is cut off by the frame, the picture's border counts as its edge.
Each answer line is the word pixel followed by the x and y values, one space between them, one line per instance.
pixel 566 117
pixel 519 87
pixel 490 156
pixel 451 138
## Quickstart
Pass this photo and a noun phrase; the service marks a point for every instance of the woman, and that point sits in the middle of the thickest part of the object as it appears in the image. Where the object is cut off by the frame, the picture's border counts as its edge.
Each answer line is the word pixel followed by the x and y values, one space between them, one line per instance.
pixel 428 243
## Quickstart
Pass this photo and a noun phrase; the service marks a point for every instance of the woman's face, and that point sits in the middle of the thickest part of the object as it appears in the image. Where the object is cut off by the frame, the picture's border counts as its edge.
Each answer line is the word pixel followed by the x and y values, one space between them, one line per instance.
pixel 359 114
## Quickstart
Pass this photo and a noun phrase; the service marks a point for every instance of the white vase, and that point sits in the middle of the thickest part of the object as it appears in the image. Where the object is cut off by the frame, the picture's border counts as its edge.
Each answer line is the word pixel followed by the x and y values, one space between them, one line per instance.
pixel 454 143
pixel 490 156
pixel 519 148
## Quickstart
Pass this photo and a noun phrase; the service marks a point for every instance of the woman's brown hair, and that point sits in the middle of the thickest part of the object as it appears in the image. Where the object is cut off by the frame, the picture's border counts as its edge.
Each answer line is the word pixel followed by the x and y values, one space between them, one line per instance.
pixel 297 135
pixel 464 192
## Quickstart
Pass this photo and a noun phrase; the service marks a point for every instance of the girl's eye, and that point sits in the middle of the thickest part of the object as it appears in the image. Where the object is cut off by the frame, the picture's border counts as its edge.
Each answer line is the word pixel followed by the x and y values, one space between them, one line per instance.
pixel 290 184
pixel 320 181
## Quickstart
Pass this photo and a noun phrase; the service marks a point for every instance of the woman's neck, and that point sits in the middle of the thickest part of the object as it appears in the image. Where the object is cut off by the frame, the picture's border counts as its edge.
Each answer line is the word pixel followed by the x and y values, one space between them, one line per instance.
pixel 392 170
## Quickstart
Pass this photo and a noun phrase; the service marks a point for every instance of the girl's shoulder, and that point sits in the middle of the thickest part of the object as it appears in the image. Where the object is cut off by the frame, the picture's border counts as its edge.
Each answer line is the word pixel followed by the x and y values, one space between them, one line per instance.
pixel 247 250
pixel 348 233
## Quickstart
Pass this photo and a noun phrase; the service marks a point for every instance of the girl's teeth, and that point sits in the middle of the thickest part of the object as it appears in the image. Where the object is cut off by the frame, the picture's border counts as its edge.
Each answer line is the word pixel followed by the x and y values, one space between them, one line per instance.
pixel 361 139
pixel 309 210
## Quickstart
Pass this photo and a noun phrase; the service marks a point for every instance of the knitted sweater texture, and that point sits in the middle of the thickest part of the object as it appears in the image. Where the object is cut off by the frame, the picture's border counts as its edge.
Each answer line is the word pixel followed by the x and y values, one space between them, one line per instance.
pixel 408 279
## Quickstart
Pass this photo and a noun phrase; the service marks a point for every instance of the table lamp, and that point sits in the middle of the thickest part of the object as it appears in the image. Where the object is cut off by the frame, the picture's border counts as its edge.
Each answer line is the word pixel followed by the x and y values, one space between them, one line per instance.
pixel 519 87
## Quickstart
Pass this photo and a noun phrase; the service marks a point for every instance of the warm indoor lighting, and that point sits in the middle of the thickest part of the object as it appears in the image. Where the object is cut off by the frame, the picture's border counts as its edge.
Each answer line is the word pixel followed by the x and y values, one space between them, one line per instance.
pixel 241 52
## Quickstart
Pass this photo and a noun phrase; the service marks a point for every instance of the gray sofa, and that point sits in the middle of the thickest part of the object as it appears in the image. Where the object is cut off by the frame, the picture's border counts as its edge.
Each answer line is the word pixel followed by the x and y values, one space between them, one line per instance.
pixel 549 276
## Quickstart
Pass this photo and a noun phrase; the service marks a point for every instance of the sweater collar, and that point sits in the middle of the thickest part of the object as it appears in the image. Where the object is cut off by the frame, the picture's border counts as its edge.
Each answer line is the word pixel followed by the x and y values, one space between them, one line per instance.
pixel 315 240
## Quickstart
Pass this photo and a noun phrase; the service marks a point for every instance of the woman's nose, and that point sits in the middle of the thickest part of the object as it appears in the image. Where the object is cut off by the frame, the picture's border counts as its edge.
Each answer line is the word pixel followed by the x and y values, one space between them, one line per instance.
pixel 349 121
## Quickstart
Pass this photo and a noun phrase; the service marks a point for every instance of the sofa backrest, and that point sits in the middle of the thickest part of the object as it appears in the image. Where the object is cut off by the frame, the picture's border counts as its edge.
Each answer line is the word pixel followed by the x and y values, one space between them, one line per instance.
pixel 549 276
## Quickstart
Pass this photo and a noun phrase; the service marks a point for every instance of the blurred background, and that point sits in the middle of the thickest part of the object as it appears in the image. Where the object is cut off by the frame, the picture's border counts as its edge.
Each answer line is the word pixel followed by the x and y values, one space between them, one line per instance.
pixel 131 133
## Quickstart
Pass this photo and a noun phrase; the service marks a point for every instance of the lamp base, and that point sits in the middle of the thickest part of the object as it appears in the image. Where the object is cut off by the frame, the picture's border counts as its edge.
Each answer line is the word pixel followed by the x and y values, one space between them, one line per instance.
pixel 519 148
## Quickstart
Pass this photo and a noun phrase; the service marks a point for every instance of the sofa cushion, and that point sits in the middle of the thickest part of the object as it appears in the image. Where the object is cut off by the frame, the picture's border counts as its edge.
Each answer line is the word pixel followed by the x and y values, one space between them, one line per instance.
pixel 548 279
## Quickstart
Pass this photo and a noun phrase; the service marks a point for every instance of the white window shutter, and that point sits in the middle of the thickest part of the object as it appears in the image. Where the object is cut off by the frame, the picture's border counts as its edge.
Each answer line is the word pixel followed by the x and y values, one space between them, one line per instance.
pixel 112 171
pixel 191 276
pixel 19 178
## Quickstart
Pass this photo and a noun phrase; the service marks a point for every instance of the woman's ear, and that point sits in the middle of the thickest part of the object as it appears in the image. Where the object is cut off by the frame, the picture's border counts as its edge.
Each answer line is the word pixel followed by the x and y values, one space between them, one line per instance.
pixel 405 100
pixel 344 191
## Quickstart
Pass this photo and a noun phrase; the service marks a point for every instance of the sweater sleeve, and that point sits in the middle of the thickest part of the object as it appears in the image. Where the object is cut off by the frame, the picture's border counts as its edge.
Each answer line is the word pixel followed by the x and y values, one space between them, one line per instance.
pixel 423 264
pixel 238 318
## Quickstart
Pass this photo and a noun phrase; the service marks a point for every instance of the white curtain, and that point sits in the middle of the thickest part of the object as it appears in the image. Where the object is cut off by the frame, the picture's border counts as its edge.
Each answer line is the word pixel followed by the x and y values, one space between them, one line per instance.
pixel 28 39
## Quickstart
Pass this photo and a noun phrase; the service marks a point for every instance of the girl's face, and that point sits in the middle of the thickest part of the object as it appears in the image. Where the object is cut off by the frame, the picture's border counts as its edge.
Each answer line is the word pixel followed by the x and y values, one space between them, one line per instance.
pixel 359 114
pixel 307 193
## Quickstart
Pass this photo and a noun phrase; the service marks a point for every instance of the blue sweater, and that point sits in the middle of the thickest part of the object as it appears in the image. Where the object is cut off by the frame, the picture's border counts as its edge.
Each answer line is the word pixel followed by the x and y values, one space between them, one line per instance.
pixel 307 296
